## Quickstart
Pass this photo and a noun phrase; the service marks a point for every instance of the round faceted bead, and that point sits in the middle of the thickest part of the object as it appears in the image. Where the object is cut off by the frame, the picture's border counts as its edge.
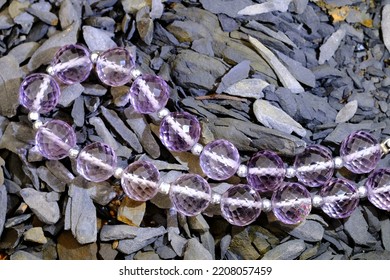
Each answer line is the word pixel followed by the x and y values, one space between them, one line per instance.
pixel 360 152
pixel 190 194
pixel 72 64
pixel 378 189
pixel 291 203
pixel 219 160
pixel 149 94
pixel 315 166
pixel 241 205
pixel 265 171
pixel 140 180
pixel 54 139
pixel 179 131
pixel 39 93
pixel 96 162
pixel 114 67
pixel 339 198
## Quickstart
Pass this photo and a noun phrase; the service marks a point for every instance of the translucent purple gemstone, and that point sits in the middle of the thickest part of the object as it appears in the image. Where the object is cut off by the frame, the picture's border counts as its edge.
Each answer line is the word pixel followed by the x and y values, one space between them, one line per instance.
pixel 241 205
pixel 219 160
pixel 291 203
pixel 54 139
pixel 72 64
pixel 96 162
pixel 148 94
pixel 265 171
pixel 378 189
pixel 314 167
pixel 39 93
pixel 114 67
pixel 179 131
pixel 360 152
pixel 340 198
pixel 140 180
pixel 190 194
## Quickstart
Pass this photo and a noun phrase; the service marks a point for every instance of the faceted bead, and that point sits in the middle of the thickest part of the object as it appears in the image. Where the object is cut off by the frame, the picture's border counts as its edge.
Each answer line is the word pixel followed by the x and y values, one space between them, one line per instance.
pixel 148 94
pixel 360 152
pixel 54 139
pixel 219 160
pixel 190 194
pixel 114 67
pixel 265 171
pixel 72 64
pixel 140 180
pixel 179 131
pixel 241 205
pixel 291 203
pixel 39 93
pixel 378 189
pixel 315 166
pixel 96 162
pixel 340 198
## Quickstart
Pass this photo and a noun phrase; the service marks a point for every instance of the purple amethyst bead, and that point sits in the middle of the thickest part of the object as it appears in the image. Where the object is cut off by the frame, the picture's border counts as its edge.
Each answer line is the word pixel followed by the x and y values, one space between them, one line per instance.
pixel 315 166
pixel 114 67
pixel 54 139
pixel 340 198
pixel 96 162
pixel 72 64
pixel 378 189
pixel 179 131
pixel 291 203
pixel 241 205
pixel 219 160
pixel 140 180
pixel 190 194
pixel 148 94
pixel 360 152
pixel 39 93
pixel 265 171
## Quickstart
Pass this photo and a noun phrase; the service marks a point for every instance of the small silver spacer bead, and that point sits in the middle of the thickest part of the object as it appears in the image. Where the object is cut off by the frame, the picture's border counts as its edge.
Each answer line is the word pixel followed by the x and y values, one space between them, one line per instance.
pixel 317 201
pixel 37 124
pixel 94 56
pixel 73 153
pixel 215 198
pixel 338 162
pixel 164 187
pixel 242 170
pixel 136 73
pixel 290 172
pixel 197 149
pixel 33 116
pixel 162 113
pixel 266 205
pixel 118 172
pixel 50 70
pixel 362 191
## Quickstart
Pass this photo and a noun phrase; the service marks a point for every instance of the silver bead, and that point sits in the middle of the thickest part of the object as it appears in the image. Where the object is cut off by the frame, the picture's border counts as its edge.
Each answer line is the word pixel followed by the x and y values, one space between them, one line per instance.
pixel 50 70
pixel 162 113
pixel 290 172
pixel 94 56
pixel 267 205
pixel 215 198
pixel 164 188
pixel 73 153
pixel 338 162
pixel 33 116
pixel 118 172
pixel 197 149
pixel 37 124
pixel 362 191
pixel 317 201
pixel 242 170
pixel 136 73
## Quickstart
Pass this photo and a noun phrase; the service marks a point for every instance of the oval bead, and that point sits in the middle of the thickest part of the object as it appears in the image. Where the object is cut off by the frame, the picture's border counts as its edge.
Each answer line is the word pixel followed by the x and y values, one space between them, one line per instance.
pixel 96 162
pixel 339 198
pixel 39 93
pixel 291 203
pixel 315 166
pixel 378 189
pixel 140 180
pixel 190 194
pixel 241 205
pixel 360 152
pixel 54 139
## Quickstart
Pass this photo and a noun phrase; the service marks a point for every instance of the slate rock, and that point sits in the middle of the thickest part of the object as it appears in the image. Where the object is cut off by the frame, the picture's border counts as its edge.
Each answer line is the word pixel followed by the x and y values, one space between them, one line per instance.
pixel 52 181
pixel 94 89
pixel 157 9
pixel 106 252
pixel 117 232
pixel 103 132
pixel 203 46
pixel 23 255
pixel 228 24
pixel 24 51
pixel 129 246
pixel 69 249
pixel 101 193
pixel 16 220
pixel 347 112
pixel 374 255
pixel 286 251
pixel 145 25
pixel 132 6
pixel 166 252
pixel 269 6
pixel 331 45
pixel 36 235
pixel 60 171
pixel 10 79
pixel 3 207
pixel 385 233
pixel 342 130
pixel 78 112
pixel 97 39
pixel 70 12
pixel 300 5
pixel 241 245
pixel 228 7
pixel 196 251
pixel 131 212
pixel 249 88
pixel 44 15
pixel 308 230
pixel 235 74
pixel 386 26
pixel 357 228
pixel 143 256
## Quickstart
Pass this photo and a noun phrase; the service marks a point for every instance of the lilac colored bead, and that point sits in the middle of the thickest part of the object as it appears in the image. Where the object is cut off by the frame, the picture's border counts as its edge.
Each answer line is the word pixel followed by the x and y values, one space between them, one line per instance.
pixel 291 203
pixel 39 93
pixel 315 166
pixel 72 64
pixel 360 152
pixel 140 180
pixel 54 139
pixel 219 160
pixel 114 67
pixel 179 131
pixel 378 189
pixel 190 194
pixel 241 205
pixel 340 198
pixel 96 162
pixel 265 171
pixel 148 94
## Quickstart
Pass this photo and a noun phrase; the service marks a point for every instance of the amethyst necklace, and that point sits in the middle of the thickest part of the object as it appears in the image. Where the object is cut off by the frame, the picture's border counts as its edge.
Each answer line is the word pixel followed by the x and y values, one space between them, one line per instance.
pixel 191 194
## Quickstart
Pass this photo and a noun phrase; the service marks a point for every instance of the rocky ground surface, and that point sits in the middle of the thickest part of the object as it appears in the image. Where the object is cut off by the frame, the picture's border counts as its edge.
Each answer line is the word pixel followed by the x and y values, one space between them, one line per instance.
pixel 263 74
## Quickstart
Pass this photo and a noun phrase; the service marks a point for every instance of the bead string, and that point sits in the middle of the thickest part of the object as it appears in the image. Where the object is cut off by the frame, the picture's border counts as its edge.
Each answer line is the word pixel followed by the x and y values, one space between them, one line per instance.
pixel 190 193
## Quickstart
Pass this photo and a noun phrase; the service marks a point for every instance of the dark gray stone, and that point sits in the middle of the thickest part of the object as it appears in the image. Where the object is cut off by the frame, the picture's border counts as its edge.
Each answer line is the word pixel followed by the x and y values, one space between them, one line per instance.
pixel 13 221
pixel 117 232
pixel 52 181
pixel 157 9
pixel 10 78
pixel 24 51
pixel 203 46
pixel 249 88
pixel 3 207
pixel 43 14
pixel 101 193
pixel 224 245
pixel 347 112
pixel 386 26
pixel 94 89
pixel 342 130
pixel 23 255
pixel 106 252
pixel 228 7
pixel 228 24
pixel 69 94
pixel 286 251
pixel 357 228
pixel 385 233
pixel 300 5
pixel 103 132
pixel 129 246
pixel 166 252
pixel 375 255
pixel 78 112
pixel 60 171
pixel 196 251
pixel 331 45
pixel 235 74
pixel 70 12
pixel 145 25
pixel 266 7
pixel 308 230
pixel 97 39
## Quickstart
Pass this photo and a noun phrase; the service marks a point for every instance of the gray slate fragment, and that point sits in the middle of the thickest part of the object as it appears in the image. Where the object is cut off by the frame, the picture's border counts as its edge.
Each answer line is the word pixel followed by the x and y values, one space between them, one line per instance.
pixel 2 2
pixel 101 193
pixel 347 112
pixel 357 228
pixel 5 20
pixel 385 233
pixel 235 74
pixel 386 26
pixel 287 251
pixel 3 207
pixel 208 242
pixel 9 85
pixel 300 5
pixel 269 6
pixel 331 45
pixel 196 251
pixel 97 39
pixel 198 223
pixel 24 51
pixel 129 246
pixel 203 46
pixel 157 9
pixel 249 88
pixel 374 255
pixel 281 36
pixel 106 251
pixel 228 7
pixel 228 24
pixel 339 3
pixel 60 171
pixel 145 25
pixel 52 181
pixel 45 16
pixel 36 235
pixel 69 94
pixel 94 89
pixel 23 255
pixel 16 220
pixel 308 230
pixel 166 252
pixel 178 243
pixel 103 132
pixel 117 232
pixel 70 12
pixel 342 130
pixel 78 111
